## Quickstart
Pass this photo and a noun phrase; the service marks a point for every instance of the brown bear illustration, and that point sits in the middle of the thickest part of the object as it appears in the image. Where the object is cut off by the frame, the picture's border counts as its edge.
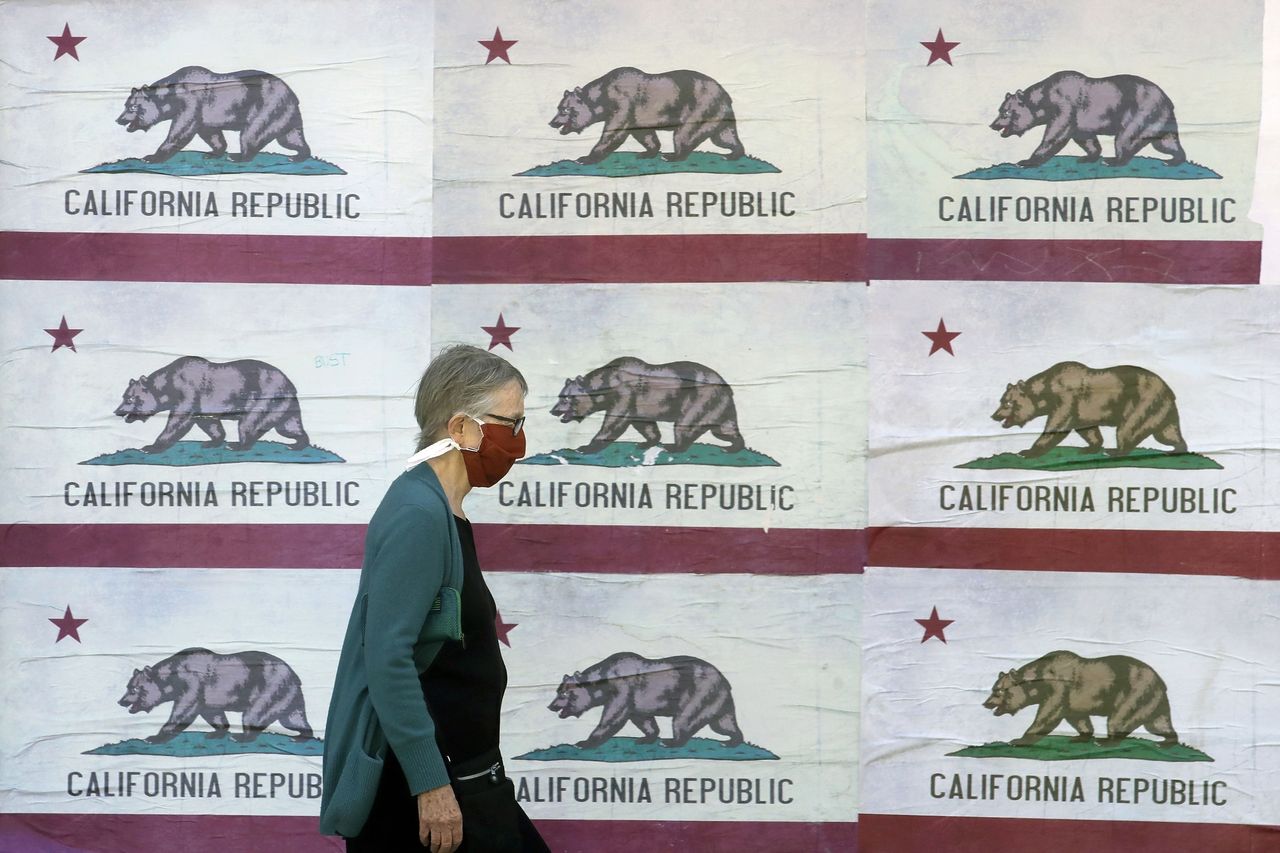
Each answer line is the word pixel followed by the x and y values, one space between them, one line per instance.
pixel 1068 687
pixel 1072 396
pixel 1072 106
pixel 201 102
pixel 634 393
pixel 199 392
pixel 200 683
pixel 630 687
pixel 632 103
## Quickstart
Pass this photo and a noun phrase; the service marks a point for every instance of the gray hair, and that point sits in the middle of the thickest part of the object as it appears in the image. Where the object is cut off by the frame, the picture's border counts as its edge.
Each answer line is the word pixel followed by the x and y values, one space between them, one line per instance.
pixel 461 378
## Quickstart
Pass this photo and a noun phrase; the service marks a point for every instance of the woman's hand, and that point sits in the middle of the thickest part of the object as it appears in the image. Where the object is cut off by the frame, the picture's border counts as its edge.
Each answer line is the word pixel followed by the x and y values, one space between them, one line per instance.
pixel 439 820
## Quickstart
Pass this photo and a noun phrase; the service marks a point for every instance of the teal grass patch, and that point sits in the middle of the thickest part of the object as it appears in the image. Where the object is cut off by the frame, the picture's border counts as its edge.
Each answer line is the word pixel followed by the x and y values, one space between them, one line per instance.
pixel 188 164
pixel 628 454
pixel 629 164
pixel 187 453
pixel 1062 748
pixel 1074 459
pixel 620 749
pixel 189 744
pixel 1067 168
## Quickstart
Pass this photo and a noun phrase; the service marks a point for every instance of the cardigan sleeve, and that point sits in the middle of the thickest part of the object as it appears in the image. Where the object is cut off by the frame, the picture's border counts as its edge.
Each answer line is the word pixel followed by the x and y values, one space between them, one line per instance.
pixel 404 578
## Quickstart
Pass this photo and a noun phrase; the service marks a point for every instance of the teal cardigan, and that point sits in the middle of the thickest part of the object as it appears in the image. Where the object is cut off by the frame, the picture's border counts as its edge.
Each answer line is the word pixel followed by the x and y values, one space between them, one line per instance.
pixel 411 550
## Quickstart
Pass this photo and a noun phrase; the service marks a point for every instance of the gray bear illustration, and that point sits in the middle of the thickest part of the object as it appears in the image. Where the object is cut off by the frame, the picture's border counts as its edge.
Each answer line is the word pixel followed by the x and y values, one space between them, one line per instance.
pixel 632 103
pixel 634 393
pixel 630 687
pixel 1072 396
pixel 1072 106
pixel 200 683
pixel 204 103
pixel 1125 690
pixel 198 392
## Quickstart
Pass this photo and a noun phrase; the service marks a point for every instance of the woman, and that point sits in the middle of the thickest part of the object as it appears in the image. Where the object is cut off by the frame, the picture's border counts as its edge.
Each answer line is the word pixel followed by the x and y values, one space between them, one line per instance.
pixel 411 753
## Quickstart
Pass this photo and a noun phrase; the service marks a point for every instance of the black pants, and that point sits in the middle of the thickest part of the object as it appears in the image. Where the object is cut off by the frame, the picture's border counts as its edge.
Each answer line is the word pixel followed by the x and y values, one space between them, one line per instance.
pixel 392 825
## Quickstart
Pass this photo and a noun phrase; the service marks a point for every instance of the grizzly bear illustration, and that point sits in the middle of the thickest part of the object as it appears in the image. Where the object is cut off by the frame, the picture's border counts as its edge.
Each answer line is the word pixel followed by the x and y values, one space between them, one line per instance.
pixel 1072 396
pixel 198 392
pixel 1068 687
pixel 632 103
pixel 200 683
pixel 204 103
pixel 1072 106
pixel 634 393
pixel 630 687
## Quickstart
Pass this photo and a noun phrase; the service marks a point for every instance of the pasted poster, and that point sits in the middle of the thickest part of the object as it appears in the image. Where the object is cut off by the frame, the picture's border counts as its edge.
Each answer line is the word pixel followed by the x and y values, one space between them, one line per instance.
pixel 189 117
pixel 742 407
pixel 1071 406
pixel 168 691
pixel 1066 695
pixel 612 118
pixel 725 697
pixel 1009 120
pixel 207 403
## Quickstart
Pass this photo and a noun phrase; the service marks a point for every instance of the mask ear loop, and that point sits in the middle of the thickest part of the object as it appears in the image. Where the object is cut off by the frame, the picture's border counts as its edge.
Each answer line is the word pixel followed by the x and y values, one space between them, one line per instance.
pixel 475 449
pixel 431 451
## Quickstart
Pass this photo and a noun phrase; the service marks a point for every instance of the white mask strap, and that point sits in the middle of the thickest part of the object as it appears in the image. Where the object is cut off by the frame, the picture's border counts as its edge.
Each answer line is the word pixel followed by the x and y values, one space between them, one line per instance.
pixel 431 451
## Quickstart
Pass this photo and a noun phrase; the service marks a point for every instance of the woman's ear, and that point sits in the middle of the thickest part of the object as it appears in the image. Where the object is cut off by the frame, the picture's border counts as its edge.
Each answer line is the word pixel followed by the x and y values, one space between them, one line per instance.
pixel 456 426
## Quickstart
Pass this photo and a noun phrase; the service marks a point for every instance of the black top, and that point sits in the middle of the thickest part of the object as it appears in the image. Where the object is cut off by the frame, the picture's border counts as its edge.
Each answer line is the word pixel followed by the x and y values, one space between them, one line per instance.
pixel 464 684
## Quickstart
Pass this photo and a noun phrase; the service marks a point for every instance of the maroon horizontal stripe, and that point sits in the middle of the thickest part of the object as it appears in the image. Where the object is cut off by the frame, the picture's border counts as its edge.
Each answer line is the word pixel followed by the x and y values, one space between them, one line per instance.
pixel 662 550
pixel 1167 261
pixel 1249 554
pixel 274 258
pixel 650 258
pixel 625 836
pixel 502 547
pixel 209 546
pixel 139 833
pixel 925 834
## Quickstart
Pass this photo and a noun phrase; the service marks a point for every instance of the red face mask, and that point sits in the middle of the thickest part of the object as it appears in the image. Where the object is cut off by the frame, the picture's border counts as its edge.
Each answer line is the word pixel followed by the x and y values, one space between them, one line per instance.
pixel 498 451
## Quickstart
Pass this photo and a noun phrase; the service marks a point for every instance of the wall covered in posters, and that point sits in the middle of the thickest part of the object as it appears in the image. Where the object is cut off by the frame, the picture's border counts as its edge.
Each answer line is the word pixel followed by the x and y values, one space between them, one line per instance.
pixel 901 378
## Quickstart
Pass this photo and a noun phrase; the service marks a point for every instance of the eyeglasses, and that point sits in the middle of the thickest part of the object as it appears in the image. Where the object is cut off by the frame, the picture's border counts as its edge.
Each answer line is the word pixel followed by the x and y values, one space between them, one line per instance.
pixel 516 424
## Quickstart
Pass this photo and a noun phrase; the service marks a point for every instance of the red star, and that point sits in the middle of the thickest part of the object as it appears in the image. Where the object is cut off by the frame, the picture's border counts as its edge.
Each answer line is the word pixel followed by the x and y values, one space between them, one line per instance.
pixel 66 43
pixel 68 626
pixel 942 339
pixel 501 334
pixel 503 628
pixel 933 626
pixel 62 336
pixel 498 47
pixel 939 48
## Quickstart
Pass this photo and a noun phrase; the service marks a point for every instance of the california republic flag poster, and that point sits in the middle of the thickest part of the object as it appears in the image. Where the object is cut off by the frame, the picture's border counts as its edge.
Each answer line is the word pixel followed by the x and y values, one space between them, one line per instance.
pixel 1079 406
pixel 167 691
pixel 664 118
pixel 673 697
pixel 202 403
pixel 1009 120
pixel 1006 704
pixel 722 405
pixel 301 119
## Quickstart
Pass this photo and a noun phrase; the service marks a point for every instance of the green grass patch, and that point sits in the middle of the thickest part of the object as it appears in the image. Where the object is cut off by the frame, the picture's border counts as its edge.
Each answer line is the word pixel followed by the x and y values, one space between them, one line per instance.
pixel 629 164
pixel 1063 748
pixel 620 749
pixel 1068 168
pixel 628 454
pixel 1075 459
pixel 189 744
pixel 188 453
pixel 188 164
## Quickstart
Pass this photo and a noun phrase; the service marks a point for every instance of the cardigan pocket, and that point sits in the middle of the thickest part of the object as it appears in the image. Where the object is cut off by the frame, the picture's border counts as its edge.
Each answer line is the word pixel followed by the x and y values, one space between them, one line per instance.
pixel 444 619
pixel 353 796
